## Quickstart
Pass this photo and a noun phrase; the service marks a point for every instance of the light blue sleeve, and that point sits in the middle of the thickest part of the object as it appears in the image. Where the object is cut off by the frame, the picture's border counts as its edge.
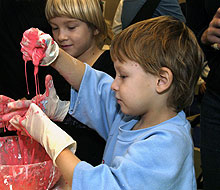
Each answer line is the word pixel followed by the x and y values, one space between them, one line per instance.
pixel 95 104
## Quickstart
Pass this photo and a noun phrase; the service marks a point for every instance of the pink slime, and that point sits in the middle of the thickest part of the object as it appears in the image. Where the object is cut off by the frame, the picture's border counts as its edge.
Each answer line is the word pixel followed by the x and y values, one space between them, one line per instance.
pixel 34 54
pixel 34 51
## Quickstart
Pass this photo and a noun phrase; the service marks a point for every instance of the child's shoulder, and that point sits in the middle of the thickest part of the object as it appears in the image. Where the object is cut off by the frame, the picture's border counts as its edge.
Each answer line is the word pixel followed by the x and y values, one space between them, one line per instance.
pixel 178 122
pixel 174 126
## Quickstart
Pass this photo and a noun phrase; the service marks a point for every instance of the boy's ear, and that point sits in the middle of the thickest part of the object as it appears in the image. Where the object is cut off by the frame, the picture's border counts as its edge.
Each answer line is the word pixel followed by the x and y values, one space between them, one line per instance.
pixel 164 80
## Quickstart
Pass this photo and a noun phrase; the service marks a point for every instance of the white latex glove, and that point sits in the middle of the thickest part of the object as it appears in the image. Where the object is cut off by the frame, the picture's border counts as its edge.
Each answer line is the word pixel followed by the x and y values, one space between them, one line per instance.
pixel 49 102
pixel 43 130
pixel 38 47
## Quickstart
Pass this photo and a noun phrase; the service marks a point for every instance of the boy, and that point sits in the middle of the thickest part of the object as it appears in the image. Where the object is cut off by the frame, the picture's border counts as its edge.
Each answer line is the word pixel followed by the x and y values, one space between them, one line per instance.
pixel 139 114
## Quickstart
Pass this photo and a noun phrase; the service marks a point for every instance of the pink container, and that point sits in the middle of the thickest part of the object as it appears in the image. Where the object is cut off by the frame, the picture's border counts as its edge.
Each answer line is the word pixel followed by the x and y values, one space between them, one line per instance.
pixel 25 165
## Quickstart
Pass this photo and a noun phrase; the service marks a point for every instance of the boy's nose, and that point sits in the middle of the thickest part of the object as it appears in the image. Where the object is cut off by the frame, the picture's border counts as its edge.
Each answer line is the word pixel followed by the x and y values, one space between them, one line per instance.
pixel 114 85
pixel 62 36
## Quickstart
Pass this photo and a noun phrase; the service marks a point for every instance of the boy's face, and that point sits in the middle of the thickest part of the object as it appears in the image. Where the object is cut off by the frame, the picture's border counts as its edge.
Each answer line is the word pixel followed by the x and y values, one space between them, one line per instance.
pixel 134 88
pixel 72 35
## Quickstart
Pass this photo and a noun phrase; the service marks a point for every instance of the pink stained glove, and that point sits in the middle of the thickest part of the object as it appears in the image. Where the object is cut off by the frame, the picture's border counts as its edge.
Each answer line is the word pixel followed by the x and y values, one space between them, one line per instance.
pixel 43 130
pixel 49 102
pixel 39 47
pixel 4 110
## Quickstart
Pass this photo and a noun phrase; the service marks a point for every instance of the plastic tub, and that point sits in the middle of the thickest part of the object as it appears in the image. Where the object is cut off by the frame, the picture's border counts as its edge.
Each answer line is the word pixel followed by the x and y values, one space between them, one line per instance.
pixel 25 165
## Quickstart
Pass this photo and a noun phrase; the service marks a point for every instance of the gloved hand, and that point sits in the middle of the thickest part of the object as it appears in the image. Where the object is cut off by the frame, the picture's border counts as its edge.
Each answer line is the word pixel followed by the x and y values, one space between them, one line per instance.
pixel 49 102
pixel 38 47
pixel 4 100
pixel 43 130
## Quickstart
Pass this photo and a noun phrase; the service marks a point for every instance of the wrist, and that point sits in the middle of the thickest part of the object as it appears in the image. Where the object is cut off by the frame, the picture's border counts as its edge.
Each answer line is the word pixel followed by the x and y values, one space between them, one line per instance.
pixel 61 110
pixel 51 53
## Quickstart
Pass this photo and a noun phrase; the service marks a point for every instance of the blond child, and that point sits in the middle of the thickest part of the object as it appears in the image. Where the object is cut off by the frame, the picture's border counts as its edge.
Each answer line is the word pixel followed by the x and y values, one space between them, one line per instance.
pixel 79 28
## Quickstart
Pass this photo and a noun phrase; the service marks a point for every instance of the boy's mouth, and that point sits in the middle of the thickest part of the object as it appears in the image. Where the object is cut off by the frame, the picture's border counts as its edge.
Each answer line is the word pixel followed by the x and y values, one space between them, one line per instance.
pixel 118 100
pixel 65 46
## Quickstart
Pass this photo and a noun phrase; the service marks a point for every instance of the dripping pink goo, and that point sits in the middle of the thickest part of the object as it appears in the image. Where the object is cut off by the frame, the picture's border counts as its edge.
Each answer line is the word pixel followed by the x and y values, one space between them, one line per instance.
pixel 34 50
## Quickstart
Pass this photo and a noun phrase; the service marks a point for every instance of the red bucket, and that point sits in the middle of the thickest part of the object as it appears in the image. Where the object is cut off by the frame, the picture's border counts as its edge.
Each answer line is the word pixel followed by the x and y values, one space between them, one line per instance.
pixel 25 165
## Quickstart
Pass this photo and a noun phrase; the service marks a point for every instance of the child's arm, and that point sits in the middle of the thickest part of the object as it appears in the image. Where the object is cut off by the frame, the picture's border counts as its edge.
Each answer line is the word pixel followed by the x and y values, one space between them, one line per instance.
pixel 94 104
pixel 66 162
pixel 70 68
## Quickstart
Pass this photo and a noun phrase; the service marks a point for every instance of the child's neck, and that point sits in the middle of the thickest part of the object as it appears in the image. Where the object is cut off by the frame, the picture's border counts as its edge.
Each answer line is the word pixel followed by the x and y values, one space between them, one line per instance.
pixel 91 55
pixel 152 119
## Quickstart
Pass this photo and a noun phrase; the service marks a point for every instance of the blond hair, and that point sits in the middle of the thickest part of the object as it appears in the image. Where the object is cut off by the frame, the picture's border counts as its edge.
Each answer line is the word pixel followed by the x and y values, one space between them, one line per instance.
pixel 163 42
pixel 88 11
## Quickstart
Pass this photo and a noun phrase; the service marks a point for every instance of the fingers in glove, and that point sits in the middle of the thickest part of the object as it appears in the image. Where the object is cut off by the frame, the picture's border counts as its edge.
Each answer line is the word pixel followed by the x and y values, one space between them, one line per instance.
pixel 30 45
pixel 3 124
pixel 40 100
pixel 8 116
pixel 16 122
pixel 48 84
pixel 26 55
pixel 10 127
pixel 4 100
pixel 38 55
pixel 19 104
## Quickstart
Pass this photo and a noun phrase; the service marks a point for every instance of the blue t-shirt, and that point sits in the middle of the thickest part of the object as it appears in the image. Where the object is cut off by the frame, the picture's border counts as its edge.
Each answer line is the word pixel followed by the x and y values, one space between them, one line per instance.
pixel 155 158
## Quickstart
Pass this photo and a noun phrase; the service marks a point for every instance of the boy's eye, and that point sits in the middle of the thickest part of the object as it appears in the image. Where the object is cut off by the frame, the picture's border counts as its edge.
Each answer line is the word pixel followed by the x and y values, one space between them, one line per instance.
pixel 54 28
pixel 122 76
pixel 71 27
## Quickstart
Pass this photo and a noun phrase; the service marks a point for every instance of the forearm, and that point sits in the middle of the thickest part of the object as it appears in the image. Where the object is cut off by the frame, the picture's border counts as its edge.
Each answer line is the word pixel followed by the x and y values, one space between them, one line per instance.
pixel 70 68
pixel 66 162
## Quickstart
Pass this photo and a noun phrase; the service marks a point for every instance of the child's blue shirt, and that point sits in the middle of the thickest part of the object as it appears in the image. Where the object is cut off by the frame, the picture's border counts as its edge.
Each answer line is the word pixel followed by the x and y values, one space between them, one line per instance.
pixel 155 158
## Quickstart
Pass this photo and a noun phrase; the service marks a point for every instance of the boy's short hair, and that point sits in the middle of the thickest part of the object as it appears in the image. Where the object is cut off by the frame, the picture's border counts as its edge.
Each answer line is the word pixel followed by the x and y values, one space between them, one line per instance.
pixel 88 11
pixel 163 42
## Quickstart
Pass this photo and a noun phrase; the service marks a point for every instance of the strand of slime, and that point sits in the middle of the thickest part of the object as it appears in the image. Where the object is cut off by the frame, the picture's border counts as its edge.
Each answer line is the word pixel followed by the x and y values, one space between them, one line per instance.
pixel 25 62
